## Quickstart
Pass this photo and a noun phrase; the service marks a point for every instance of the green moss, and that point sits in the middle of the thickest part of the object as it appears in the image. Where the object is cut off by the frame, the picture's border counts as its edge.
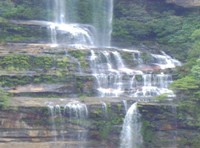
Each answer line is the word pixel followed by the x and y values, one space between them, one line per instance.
pixel 43 62
pixel 4 99
pixel 23 62
pixel 161 97
pixel 138 78
pixel 148 133
pixel 119 107
pixel 128 58
pixel 10 81
pixel 81 56
pixel 14 80
pixel 146 57
pixel 106 126
pixel 15 61
pixel 62 62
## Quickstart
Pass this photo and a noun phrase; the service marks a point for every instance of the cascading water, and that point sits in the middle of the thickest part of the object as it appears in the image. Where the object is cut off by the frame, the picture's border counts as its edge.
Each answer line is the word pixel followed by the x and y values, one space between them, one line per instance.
pixel 157 84
pixel 59 11
pixel 114 78
pixel 125 105
pixel 58 111
pixel 165 61
pixel 55 111
pixel 105 109
pixel 51 108
pixel 102 21
pixel 131 131
pixel 154 85
pixel 174 132
pixel 92 27
pixel 107 68
pixel 76 109
pixel 77 113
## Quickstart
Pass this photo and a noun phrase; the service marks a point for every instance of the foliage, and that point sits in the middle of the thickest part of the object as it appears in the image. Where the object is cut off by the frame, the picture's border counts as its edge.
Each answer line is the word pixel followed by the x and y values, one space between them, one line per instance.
pixel 128 58
pixel 196 35
pixel 187 87
pixel 22 9
pixel 4 99
pixel 147 132
pixel 146 57
pixel 185 83
pixel 195 71
pixel 134 22
pixel 81 56
pixel 17 62
pixel 137 22
pixel 105 126
pixel 21 33
pixel 161 97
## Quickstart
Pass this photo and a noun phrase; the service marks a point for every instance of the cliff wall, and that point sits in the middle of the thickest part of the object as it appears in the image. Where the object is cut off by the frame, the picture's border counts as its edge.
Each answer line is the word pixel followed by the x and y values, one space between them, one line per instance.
pixel 161 127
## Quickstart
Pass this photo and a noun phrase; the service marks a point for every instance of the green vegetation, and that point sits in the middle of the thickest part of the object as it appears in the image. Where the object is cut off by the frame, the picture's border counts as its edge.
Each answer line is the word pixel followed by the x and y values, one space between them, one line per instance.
pixel 81 56
pixel 23 9
pixel 174 29
pixel 148 133
pixel 135 22
pixel 106 126
pixel 154 22
pixel 161 97
pixel 187 86
pixel 4 99
pixel 146 57
pixel 20 62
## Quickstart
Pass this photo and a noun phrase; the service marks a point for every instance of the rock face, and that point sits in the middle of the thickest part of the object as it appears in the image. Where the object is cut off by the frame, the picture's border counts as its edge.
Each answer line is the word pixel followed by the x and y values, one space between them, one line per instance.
pixel 36 127
pixel 185 3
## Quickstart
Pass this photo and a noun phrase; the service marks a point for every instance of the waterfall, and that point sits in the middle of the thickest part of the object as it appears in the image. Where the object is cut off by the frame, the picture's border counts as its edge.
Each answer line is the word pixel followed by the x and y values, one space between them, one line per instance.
pixel 114 78
pixel 131 131
pixel 154 85
pixel 105 109
pixel 55 112
pixel 61 123
pixel 82 23
pixel 107 72
pixel 164 61
pixel 125 105
pixel 102 20
pixel 78 112
pixel 174 133
pixel 51 108
pixel 59 11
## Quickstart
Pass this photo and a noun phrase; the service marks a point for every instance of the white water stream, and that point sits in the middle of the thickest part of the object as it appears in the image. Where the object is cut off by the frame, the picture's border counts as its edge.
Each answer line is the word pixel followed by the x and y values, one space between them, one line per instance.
pixel 66 27
pixel 114 78
pixel 75 111
pixel 131 131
